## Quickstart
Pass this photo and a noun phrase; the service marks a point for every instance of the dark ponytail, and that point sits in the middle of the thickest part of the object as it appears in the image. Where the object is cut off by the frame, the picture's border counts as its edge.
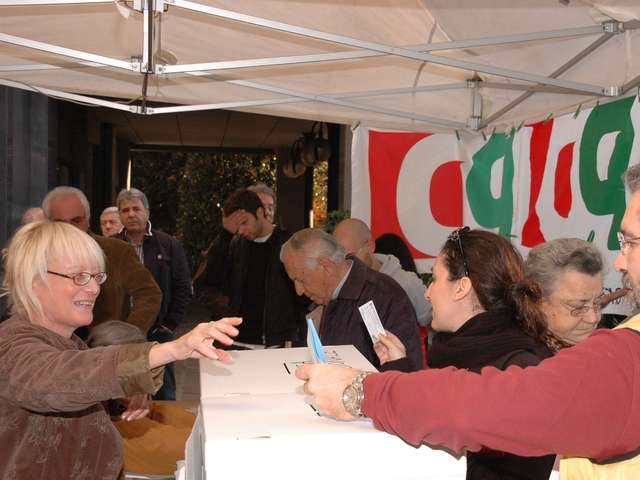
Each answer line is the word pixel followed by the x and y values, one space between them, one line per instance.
pixel 526 296
pixel 495 270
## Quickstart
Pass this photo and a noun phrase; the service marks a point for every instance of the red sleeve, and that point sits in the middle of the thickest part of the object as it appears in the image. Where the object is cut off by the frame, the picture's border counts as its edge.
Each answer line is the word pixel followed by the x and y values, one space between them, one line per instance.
pixel 582 402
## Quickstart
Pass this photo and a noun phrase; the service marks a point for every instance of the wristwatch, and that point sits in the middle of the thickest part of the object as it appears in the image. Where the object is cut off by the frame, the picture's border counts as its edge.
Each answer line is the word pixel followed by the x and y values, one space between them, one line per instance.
pixel 353 395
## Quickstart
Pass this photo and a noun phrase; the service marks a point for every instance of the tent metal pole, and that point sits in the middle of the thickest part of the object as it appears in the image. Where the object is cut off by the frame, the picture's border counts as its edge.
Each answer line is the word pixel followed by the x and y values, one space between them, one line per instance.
pixel 67 52
pixel 72 97
pixel 147 29
pixel 327 57
pixel 14 3
pixel 222 106
pixel 231 105
pixel 528 88
pixel 629 85
pixel 277 101
pixel 425 57
pixel 41 66
pixel 594 46
pixel 352 105
pixel 304 97
pixel 400 91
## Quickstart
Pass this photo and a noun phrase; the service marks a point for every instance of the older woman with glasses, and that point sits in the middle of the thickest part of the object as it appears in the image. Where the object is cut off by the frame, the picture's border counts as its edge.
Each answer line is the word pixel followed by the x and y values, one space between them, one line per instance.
pixel 52 419
pixel 487 314
pixel 570 271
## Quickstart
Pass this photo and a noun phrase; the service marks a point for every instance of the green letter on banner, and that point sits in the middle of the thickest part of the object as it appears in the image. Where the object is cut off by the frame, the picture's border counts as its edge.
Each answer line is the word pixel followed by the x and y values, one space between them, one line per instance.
pixel 488 211
pixel 606 197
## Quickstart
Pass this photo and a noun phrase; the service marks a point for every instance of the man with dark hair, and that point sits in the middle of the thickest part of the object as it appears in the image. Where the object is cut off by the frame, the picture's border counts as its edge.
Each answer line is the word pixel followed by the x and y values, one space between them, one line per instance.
pixel 164 257
pixel 242 273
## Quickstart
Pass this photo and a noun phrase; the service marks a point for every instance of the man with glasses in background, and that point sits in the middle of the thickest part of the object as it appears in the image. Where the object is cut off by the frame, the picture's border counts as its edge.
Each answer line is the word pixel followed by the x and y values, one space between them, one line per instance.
pixel 129 292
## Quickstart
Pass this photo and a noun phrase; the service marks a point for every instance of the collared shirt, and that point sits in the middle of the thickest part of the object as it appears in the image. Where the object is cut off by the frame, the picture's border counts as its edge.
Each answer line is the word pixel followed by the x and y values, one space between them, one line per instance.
pixel 336 292
pixel 138 246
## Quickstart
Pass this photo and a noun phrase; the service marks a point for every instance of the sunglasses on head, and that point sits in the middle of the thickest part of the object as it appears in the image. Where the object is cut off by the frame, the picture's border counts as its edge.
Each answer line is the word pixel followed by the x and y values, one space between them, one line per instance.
pixel 455 237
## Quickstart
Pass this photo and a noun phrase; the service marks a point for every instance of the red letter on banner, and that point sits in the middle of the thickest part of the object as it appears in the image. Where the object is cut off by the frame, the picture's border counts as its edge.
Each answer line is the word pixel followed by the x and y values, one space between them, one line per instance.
pixel 563 197
pixel 531 233
pixel 386 154
pixel 445 194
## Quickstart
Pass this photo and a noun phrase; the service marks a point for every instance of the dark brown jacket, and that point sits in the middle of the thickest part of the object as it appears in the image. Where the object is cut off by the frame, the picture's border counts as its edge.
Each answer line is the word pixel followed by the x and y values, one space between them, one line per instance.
pixel 126 278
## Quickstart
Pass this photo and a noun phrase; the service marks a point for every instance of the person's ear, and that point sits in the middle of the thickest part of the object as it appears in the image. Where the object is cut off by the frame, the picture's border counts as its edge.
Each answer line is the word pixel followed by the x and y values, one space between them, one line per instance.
pixel 326 265
pixel 370 245
pixel 463 288
pixel 260 213
pixel 37 283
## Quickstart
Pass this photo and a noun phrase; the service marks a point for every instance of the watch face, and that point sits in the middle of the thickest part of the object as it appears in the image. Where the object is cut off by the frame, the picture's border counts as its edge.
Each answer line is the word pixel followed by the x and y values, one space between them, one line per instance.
pixel 350 399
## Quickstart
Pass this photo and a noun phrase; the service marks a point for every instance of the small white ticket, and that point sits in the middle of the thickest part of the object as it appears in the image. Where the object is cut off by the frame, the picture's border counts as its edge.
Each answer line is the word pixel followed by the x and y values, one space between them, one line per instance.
pixel 371 320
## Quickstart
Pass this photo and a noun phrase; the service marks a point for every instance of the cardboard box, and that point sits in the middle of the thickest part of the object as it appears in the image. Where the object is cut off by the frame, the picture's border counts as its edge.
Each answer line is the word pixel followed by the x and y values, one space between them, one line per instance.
pixel 269 371
pixel 257 421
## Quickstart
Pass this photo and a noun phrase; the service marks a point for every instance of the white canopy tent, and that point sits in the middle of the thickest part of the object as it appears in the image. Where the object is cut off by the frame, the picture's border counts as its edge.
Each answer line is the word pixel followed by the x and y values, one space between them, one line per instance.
pixel 429 65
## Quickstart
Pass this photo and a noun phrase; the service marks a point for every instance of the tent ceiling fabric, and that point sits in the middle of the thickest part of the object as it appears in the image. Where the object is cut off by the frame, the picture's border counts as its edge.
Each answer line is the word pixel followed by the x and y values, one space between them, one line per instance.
pixel 399 64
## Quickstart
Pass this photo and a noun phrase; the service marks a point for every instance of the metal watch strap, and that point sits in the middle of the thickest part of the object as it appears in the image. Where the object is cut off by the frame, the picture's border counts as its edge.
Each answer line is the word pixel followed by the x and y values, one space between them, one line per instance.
pixel 357 389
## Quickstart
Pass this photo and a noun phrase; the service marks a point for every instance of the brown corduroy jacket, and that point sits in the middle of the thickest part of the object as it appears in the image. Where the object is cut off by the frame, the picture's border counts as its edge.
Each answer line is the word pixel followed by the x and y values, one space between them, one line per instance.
pixel 52 418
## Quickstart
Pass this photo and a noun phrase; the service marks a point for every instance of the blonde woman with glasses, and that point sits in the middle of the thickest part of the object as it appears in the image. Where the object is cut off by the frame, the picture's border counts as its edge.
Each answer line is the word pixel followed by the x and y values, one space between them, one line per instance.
pixel 52 418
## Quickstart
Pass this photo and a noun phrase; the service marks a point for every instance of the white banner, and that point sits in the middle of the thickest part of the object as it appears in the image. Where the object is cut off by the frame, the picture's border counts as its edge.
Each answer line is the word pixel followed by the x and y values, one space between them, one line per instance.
pixel 549 180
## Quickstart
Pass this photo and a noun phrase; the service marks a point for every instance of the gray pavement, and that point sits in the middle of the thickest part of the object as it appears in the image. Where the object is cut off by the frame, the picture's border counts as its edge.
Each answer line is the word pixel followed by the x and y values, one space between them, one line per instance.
pixel 188 371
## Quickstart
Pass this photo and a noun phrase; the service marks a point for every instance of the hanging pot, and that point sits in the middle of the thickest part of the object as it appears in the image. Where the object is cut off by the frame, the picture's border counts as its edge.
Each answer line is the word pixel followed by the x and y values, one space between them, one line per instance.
pixel 293 166
pixel 316 148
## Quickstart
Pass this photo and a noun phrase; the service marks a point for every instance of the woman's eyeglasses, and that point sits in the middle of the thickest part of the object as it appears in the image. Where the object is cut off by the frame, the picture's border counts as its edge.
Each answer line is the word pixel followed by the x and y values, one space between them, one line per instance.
pixel 455 237
pixel 584 309
pixel 82 278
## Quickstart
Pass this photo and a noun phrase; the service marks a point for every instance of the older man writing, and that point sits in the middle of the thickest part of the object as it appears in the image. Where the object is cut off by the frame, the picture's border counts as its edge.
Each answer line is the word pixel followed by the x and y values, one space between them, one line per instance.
pixel 340 285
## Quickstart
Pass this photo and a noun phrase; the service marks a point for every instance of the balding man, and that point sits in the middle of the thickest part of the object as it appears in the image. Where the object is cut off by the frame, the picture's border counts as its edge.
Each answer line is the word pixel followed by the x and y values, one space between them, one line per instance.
pixel 354 235
pixel 34 214
pixel 127 279
pixel 319 268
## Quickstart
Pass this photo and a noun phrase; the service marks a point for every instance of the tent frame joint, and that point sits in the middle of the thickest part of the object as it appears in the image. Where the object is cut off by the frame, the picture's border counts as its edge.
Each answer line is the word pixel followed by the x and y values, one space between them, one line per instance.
pixel 613 27
pixel 474 123
pixel 136 64
pixel 612 91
